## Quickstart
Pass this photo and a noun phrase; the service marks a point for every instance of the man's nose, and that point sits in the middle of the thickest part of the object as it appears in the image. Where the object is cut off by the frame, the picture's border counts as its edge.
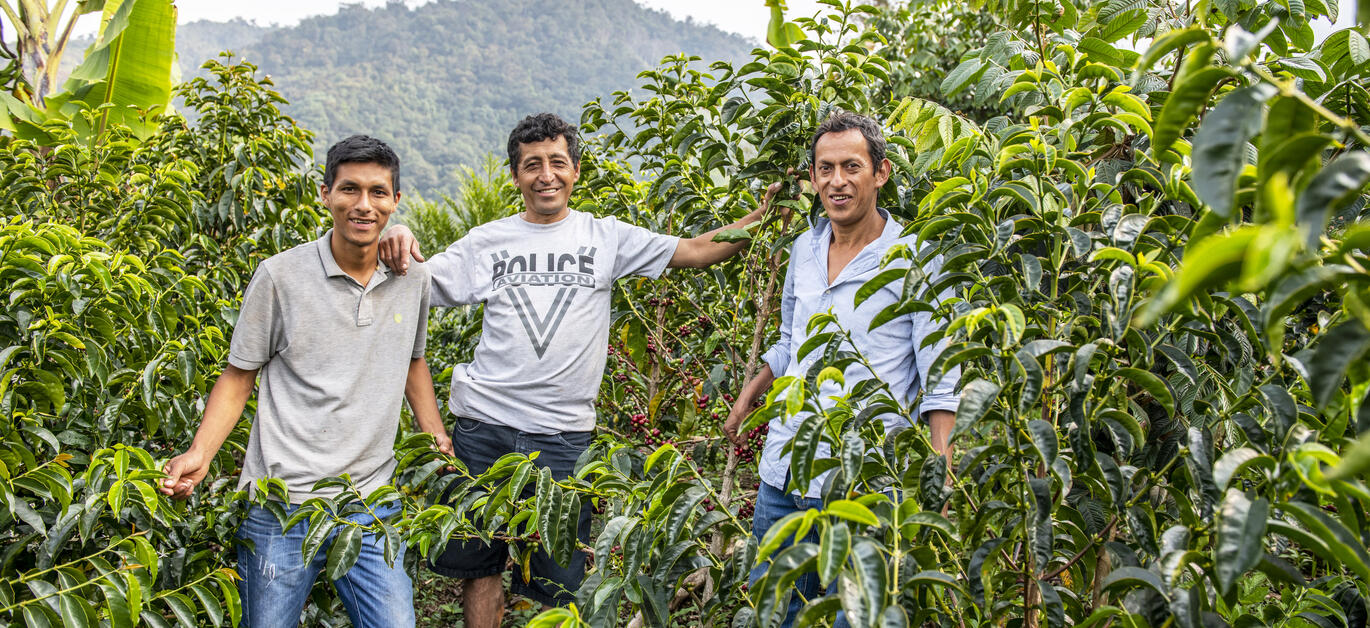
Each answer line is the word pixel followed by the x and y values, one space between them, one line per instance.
pixel 545 173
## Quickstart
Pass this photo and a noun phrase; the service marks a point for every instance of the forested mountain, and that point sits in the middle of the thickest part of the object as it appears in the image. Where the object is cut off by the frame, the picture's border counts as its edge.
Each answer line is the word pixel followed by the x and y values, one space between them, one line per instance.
pixel 446 81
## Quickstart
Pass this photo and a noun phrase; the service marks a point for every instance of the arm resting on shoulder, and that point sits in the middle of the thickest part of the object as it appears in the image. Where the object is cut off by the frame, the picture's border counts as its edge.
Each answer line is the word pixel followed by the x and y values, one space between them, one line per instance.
pixel 397 246
pixel 222 411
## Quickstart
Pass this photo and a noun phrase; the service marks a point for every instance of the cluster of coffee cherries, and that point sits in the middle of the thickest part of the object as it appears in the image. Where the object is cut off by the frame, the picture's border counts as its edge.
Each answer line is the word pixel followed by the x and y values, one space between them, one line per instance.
pixel 619 364
pixel 746 452
pixel 745 510
pixel 651 436
pixel 689 328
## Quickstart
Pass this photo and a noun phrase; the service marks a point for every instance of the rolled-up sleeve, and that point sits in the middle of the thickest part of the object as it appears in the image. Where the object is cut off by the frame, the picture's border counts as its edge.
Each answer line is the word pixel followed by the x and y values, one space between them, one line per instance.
pixel 944 395
pixel 778 356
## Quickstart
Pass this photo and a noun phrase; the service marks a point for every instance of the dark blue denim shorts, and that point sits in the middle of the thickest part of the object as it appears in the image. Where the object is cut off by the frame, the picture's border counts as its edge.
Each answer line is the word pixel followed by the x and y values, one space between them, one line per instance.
pixel 478 445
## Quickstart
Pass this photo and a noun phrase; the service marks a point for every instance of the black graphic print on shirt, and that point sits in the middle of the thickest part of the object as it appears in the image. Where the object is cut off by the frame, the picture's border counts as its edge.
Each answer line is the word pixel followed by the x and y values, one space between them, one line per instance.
pixel 522 276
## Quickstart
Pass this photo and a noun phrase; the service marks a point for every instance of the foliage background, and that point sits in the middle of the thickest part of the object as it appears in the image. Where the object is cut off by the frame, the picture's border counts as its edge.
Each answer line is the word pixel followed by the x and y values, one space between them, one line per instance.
pixel 1151 215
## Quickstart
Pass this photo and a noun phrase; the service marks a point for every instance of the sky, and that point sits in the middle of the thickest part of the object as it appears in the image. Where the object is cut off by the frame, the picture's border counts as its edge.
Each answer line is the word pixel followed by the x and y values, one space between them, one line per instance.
pixel 744 17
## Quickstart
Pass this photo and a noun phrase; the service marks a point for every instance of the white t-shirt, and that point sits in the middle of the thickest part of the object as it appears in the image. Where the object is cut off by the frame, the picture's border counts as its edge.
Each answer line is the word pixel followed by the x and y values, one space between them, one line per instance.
pixel 545 288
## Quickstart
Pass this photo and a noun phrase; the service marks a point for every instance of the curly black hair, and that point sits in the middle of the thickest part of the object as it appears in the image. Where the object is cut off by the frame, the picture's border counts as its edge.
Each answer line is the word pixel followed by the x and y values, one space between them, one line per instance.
pixel 540 127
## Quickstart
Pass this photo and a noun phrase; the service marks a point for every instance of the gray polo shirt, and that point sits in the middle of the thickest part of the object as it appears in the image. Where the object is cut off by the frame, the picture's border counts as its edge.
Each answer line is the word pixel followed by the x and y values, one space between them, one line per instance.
pixel 334 357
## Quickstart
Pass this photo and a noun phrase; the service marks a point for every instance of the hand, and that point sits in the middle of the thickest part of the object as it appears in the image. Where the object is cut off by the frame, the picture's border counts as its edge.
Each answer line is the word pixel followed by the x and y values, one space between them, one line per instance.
pixel 443 443
pixel 183 473
pixel 397 246
pixel 775 188
pixel 736 417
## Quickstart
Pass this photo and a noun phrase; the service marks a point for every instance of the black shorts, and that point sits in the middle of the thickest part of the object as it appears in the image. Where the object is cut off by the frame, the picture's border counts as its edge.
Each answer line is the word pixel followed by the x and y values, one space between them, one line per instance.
pixel 479 445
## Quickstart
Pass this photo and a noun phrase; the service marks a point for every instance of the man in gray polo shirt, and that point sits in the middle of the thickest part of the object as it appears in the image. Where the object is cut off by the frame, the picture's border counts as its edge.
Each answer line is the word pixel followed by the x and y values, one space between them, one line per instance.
pixel 338 339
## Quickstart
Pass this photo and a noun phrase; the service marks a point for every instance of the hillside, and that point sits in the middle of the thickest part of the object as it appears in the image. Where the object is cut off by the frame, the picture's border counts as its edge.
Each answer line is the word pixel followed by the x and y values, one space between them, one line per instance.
pixel 445 82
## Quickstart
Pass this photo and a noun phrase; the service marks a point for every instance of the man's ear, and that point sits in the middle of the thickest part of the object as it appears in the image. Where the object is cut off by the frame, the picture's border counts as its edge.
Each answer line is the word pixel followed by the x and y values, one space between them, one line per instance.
pixel 882 173
pixel 323 192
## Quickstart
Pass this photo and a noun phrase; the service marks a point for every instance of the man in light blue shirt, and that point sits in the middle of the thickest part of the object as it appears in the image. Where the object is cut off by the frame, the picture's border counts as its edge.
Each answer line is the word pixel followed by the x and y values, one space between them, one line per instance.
pixel 828 264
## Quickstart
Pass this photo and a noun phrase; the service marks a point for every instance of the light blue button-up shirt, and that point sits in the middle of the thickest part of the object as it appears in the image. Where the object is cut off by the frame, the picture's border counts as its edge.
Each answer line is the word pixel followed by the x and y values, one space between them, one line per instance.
pixel 894 349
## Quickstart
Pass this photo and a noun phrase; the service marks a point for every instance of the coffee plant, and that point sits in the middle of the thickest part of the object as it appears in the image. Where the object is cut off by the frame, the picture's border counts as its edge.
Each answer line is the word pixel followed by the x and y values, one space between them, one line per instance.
pixel 1149 219
pixel 123 260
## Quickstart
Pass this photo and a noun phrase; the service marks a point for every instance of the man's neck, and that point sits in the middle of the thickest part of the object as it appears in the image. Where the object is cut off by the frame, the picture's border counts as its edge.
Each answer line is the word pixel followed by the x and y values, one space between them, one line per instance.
pixel 357 261
pixel 859 234
pixel 545 219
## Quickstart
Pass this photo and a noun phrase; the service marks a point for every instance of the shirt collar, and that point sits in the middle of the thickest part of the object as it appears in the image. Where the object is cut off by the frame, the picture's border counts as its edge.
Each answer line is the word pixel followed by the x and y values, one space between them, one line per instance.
pixel 330 265
pixel 822 231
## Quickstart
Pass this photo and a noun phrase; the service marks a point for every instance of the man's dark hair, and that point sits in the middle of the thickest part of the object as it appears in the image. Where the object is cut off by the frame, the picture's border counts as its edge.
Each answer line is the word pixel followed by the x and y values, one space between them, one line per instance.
pixel 361 149
pixel 540 127
pixel 845 121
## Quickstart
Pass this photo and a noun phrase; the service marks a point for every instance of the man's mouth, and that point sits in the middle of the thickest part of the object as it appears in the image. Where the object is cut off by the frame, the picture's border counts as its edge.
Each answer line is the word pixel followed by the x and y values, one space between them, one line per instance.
pixel 547 191
pixel 362 223
pixel 839 199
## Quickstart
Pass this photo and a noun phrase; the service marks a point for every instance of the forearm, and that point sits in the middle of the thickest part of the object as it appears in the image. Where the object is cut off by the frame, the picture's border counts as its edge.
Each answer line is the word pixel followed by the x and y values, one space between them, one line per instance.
pixel 223 409
pixel 940 423
pixel 701 250
pixel 757 387
pixel 418 391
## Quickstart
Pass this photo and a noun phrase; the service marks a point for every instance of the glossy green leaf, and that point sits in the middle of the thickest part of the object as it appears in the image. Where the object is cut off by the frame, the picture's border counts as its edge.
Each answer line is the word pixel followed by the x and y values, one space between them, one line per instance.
pixel 1232 463
pixel 1355 461
pixel 1331 190
pixel 1170 42
pixel 976 400
pixel 1241 528
pixel 1128 577
pixel 1220 145
pixel 835 546
pixel 1195 83
pixel 1153 385
pixel 1337 349
pixel 852 511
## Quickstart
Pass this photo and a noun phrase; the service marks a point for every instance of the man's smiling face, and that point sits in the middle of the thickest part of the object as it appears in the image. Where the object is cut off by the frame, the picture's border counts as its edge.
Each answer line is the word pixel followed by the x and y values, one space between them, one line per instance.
pixel 361 200
pixel 545 174
pixel 844 177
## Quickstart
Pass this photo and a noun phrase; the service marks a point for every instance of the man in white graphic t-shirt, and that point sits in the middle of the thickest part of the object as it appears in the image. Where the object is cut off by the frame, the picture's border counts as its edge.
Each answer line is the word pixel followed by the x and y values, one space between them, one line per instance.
pixel 545 277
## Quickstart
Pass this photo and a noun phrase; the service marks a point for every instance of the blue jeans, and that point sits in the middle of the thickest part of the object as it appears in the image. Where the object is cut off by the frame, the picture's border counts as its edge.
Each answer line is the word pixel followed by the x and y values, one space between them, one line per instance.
pixel 772 505
pixel 276 580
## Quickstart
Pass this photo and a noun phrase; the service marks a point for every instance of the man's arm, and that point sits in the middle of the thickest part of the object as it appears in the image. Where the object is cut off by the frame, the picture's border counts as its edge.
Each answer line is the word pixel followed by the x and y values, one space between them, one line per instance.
pixel 397 245
pixel 222 411
pixel 418 390
pixel 701 251
pixel 742 406
pixel 940 423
